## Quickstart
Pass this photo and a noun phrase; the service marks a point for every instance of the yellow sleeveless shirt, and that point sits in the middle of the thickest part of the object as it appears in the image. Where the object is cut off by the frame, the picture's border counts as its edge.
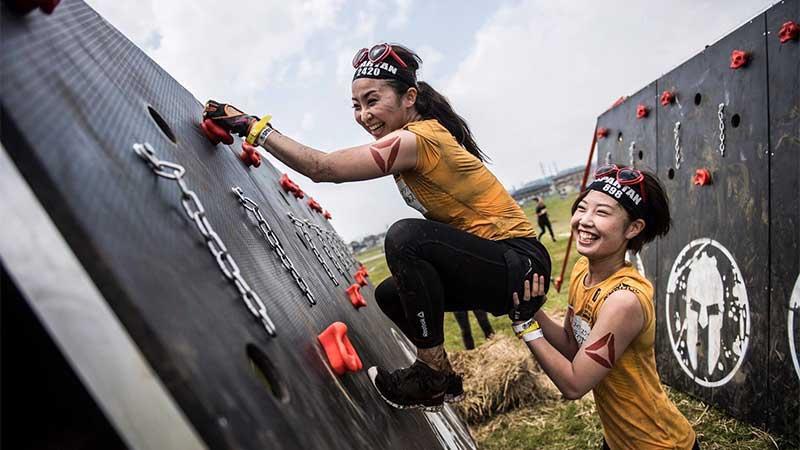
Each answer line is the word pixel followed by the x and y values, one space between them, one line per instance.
pixel 634 409
pixel 450 185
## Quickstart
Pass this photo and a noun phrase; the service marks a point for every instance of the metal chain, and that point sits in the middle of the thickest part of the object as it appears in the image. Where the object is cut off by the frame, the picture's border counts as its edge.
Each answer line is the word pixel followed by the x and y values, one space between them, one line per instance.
pixel 301 224
pixel 326 249
pixel 631 150
pixel 274 242
pixel 721 116
pixel 197 213
pixel 676 133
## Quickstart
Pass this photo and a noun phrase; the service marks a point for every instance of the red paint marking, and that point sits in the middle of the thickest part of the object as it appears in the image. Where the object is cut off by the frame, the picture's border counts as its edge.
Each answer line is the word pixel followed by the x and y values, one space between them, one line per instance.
pixel 394 146
pixel 378 159
pixel 605 341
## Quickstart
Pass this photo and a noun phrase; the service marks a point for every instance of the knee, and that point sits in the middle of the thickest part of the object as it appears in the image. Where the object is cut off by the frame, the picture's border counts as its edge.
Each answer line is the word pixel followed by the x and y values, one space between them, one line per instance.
pixel 401 236
pixel 386 294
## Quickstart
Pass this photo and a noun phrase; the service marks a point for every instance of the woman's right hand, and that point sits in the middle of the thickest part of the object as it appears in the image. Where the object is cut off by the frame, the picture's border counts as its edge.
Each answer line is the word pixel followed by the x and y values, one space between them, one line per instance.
pixel 533 298
pixel 229 118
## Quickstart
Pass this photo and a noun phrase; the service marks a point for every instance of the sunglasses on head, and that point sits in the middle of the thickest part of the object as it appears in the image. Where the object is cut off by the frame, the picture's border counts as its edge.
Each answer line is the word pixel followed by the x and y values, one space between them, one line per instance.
pixel 626 176
pixel 377 54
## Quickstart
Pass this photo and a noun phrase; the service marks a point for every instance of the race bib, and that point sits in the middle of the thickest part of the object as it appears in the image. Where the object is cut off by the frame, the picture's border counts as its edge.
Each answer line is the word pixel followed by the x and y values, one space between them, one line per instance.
pixel 581 329
pixel 409 197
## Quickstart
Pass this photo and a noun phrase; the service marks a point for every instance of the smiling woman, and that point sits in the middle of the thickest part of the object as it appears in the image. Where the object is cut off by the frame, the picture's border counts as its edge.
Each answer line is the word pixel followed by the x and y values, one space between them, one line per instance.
pixel 477 245
pixel 606 342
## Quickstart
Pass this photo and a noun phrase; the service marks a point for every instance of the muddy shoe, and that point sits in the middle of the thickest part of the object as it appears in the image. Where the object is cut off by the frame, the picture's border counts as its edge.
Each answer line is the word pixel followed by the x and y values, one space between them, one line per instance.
pixel 417 386
pixel 455 388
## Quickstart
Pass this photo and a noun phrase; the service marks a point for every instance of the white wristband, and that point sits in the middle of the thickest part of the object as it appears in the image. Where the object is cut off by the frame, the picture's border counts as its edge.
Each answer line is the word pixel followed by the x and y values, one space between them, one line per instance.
pixel 532 336
pixel 521 327
pixel 262 137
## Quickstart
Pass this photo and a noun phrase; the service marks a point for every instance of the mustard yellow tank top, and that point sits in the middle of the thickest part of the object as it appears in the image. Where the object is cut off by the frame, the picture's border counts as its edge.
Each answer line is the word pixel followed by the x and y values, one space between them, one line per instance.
pixel 634 409
pixel 450 185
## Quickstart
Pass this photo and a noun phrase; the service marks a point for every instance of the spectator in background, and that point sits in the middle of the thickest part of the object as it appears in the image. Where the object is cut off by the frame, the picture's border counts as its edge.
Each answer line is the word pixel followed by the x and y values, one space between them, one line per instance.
pixel 462 317
pixel 543 219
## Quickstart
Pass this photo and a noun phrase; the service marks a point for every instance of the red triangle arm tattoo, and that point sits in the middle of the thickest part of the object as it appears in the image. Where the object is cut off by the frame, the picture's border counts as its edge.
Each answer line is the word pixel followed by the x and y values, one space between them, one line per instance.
pixel 393 145
pixel 592 351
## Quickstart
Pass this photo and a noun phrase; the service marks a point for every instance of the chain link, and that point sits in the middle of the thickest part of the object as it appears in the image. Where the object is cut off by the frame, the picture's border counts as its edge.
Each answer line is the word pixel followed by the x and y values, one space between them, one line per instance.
pixel 327 249
pixel 676 133
pixel 631 151
pixel 197 213
pixel 301 225
pixel 275 243
pixel 336 243
pixel 721 116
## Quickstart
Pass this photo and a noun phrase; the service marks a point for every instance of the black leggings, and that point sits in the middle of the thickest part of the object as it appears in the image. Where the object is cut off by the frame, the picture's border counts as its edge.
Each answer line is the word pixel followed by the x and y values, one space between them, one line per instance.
pixel 437 268
pixel 545 224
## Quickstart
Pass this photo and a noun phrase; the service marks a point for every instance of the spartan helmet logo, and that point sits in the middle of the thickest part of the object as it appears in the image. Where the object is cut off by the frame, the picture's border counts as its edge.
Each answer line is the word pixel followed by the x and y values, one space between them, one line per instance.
pixel 705 308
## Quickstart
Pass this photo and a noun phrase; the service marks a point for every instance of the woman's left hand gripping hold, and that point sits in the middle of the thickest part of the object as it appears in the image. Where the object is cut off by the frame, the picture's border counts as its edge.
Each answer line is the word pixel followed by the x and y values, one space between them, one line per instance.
pixel 533 298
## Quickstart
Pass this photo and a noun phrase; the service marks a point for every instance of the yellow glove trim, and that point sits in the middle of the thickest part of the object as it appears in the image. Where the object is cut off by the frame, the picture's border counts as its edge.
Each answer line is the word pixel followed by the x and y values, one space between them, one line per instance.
pixel 256 129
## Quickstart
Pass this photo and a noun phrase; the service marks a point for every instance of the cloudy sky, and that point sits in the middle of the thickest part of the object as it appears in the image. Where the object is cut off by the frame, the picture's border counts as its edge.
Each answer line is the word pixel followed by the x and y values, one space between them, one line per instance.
pixel 530 77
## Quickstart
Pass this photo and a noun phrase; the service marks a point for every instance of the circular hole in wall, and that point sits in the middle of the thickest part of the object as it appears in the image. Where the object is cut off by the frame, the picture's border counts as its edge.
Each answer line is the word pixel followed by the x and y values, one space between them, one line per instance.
pixel 619 136
pixel 735 120
pixel 267 373
pixel 641 155
pixel 162 124
pixel 671 174
pixel 697 98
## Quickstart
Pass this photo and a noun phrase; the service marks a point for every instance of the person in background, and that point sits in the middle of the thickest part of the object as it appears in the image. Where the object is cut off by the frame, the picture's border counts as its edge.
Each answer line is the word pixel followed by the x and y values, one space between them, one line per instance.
pixel 543 219
pixel 606 342
pixel 462 318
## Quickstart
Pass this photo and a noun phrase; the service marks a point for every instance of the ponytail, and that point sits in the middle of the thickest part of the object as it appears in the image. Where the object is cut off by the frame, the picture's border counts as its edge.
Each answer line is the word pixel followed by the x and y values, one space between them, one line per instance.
pixel 433 105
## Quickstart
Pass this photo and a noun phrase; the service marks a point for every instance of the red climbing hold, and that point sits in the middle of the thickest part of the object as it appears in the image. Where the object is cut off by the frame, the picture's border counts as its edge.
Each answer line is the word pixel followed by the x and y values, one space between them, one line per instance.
pixel 298 193
pixel 354 292
pixel 361 278
pixel 215 133
pixel 642 111
pixel 602 133
pixel 327 215
pixel 667 97
pixel 702 177
pixel 314 205
pixel 289 185
pixel 739 59
pixel 340 352
pixel 789 32
pixel 619 101
pixel 362 268
pixel 26 6
pixel 249 155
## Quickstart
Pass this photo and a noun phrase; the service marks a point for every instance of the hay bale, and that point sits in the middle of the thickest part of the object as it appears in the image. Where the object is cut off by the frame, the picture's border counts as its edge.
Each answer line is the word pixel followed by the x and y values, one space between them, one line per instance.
pixel 500 375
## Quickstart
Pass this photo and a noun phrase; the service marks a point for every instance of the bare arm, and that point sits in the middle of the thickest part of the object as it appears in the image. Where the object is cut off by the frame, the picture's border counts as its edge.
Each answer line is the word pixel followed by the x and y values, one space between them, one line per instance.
pixel 619 321
pixel 391 154
pixel 560 336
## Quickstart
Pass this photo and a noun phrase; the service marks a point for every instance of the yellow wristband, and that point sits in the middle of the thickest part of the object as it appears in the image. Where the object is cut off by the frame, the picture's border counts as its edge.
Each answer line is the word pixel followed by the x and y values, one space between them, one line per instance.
pixel 256 129
pixel 531 328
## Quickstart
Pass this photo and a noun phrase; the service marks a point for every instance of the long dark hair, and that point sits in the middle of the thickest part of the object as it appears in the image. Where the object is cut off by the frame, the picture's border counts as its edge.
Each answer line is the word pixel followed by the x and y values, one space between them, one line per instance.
pixel 657 219
pixel 433 105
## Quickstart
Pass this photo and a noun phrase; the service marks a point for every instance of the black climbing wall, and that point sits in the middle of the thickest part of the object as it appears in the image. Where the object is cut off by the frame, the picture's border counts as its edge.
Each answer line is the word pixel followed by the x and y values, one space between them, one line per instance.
pixel 76 96
pixel 724 274
pixel 631 141
pixel 784 137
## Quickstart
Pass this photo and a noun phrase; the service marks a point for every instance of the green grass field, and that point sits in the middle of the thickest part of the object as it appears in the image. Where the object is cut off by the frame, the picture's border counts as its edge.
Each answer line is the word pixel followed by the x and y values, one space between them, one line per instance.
pixel 562 425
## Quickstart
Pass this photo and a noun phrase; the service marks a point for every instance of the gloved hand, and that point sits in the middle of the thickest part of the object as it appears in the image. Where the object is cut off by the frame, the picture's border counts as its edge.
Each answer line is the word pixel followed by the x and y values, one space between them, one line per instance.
pixel 533 299
pixel 221 119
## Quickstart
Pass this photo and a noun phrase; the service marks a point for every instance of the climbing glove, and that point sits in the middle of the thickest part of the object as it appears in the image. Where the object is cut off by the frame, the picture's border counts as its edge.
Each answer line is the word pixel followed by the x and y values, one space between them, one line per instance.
pixel 222 119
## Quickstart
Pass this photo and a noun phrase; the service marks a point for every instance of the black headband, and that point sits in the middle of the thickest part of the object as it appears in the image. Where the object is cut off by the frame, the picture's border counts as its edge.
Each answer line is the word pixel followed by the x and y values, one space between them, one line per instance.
pixel 628 196
pixel 384 71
